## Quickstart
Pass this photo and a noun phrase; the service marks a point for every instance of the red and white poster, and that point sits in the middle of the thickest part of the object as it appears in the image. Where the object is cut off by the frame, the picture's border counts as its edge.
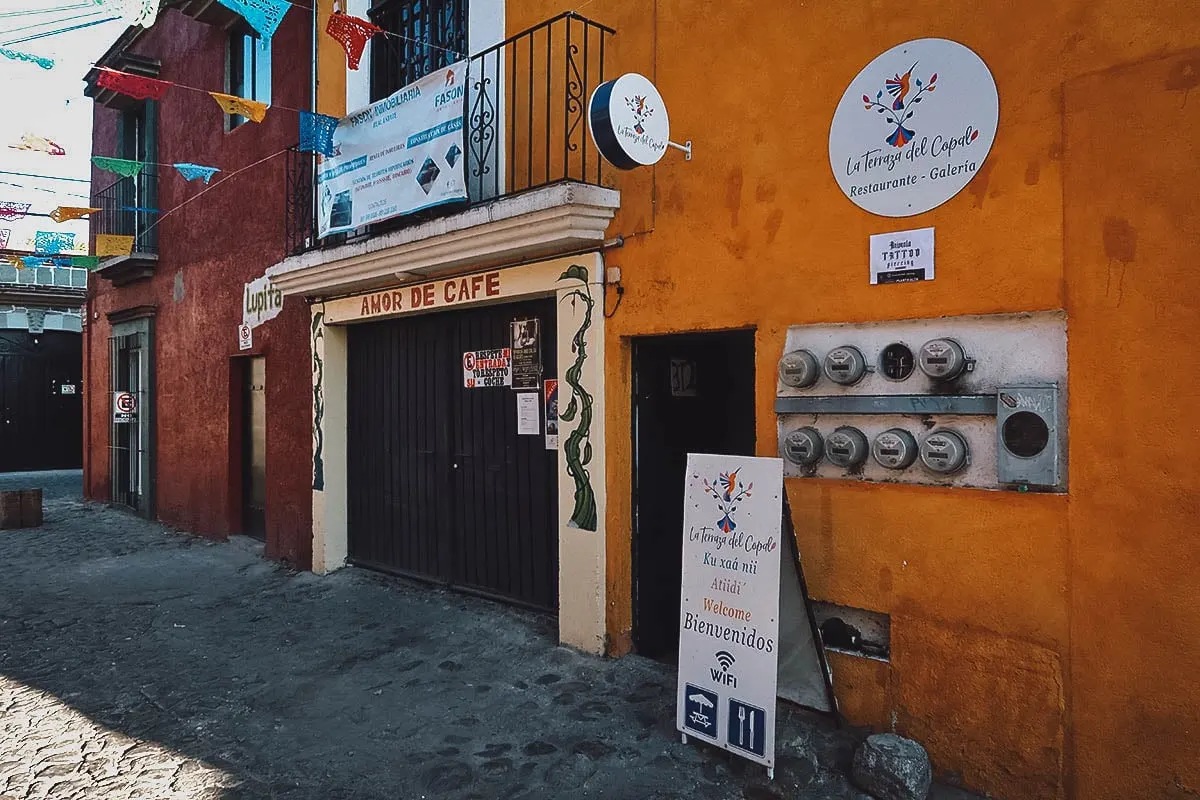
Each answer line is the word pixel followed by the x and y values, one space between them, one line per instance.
pixel 483 368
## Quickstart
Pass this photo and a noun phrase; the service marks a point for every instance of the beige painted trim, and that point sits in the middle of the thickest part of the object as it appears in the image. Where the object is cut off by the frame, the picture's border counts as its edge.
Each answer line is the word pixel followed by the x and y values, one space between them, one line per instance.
pixel 539 223
pixel 490 286
pixel 581 552
pixel 330 536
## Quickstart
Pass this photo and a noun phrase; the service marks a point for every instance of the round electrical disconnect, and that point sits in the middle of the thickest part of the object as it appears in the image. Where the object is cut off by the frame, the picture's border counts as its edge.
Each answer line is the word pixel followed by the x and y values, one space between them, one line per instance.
pixel 895 448
pixel 1025 434
pixel 798 369
pixel 845 365
pixel 944 452
pixel 803 447
pixel 846 447
pixel 942 359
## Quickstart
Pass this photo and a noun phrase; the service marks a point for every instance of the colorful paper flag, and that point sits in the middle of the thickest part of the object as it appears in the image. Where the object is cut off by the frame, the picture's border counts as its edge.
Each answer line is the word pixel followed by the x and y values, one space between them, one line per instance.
pixel 191 172
pixel 140 12
pixel 316 133
pixel 87 262
pixel 108 244
pixel 120 166
pixel 64 213
pixel 240 106
pixel 134 86
pixel 17 55
pixel 29 262
pixel 11 210
pixel 48 243
pixel 352 33
pixel 39 144
pixel 262 15
pixel 4 233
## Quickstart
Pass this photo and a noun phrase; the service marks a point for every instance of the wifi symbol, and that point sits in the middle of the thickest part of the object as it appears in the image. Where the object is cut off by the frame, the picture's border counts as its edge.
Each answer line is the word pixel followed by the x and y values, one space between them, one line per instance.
pixel 725 659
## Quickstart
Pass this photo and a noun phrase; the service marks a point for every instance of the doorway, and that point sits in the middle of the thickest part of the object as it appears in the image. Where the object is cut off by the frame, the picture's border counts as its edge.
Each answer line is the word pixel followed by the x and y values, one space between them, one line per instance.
pixel 254 448
pixel 444 483
pixel 692 393
pixel 131 374
pixel 41 408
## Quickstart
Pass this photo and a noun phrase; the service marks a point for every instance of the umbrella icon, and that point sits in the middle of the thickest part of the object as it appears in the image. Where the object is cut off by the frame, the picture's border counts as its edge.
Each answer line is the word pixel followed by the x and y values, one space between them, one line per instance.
pixel 698 717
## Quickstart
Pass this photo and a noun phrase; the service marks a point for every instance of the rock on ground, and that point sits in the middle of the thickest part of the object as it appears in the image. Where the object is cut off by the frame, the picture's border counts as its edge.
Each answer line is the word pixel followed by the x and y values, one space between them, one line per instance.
pixel 890 767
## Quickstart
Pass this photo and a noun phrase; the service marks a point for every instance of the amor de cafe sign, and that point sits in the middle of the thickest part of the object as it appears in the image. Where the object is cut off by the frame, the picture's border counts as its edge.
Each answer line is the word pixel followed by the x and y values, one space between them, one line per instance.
pixel 913 127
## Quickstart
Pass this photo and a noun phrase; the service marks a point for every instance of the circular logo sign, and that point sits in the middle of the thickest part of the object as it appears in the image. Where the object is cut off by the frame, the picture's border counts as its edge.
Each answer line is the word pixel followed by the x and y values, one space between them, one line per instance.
pixel 126 403
pixel 628 121
pixel 913 127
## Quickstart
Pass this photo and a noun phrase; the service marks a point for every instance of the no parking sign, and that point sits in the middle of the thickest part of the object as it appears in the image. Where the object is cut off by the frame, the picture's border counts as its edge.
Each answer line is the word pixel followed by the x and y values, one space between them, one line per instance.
pixel 124 406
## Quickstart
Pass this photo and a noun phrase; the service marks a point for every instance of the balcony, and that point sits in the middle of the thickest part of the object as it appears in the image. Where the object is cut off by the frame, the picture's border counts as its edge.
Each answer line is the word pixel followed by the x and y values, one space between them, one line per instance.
pixel 127 209
pixel 535 181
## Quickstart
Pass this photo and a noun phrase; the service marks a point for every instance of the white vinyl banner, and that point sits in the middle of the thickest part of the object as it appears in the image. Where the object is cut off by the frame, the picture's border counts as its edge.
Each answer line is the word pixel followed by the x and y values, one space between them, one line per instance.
pixel 729 610
pixel 396 156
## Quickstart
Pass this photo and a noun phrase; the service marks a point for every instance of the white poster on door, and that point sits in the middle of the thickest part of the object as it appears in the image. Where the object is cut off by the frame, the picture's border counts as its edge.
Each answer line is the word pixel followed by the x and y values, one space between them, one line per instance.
pixel 729 609
pixel 529 415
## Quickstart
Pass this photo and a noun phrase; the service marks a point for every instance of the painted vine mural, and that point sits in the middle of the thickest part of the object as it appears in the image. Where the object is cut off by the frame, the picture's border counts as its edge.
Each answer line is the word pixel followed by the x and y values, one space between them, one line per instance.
pixel 577 450
pixel 318 367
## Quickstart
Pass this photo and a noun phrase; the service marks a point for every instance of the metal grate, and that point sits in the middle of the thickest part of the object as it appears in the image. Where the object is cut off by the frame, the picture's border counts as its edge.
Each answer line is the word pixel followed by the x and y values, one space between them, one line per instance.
pixel 434 36
pixel 126 440
pixel 127 208
pixel 523 122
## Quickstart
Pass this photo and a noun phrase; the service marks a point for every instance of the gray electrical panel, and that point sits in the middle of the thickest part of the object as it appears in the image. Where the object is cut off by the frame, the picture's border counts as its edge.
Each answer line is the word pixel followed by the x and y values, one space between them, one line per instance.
pixel 1028 446
pixel 967 401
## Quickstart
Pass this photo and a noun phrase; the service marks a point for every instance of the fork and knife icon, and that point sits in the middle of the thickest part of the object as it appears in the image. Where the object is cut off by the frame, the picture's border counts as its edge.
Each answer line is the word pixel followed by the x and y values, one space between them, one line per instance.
pixel 742 728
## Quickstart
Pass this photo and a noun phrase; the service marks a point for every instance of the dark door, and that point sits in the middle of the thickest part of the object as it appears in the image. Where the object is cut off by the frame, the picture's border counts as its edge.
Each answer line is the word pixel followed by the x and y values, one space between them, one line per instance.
pixel 41 426
pixel 254 448
pixel 693 393
pixel 441 484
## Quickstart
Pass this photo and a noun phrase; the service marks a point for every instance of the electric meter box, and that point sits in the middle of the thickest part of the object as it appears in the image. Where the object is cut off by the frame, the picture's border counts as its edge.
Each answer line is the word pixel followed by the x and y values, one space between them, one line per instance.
pixel 1028 436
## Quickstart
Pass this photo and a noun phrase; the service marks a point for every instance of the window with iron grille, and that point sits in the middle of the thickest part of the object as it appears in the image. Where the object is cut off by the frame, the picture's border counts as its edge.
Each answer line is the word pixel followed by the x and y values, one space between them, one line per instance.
pixel 430 34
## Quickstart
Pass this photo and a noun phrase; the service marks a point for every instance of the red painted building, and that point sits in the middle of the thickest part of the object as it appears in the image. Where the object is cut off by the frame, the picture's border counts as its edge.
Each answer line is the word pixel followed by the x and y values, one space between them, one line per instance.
pixel 220 440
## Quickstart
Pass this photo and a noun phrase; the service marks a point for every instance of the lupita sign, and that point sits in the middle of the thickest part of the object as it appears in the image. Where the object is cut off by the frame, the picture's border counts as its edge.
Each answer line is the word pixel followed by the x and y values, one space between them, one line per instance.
pixel 914 127
pixel 628 121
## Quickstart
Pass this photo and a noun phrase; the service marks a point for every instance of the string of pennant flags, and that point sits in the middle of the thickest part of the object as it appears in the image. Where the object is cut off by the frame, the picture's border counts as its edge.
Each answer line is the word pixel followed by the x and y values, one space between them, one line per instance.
pixel 263 16
pixel 316 131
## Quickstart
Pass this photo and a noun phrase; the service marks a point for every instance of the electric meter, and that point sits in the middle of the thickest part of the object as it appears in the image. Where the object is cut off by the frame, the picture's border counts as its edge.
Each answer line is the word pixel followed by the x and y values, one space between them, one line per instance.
pixel 803 447
pixel 944 452
pixel 846 447
pixel 798 369
pixel 894 449
pixel 845 365
pixel 942 359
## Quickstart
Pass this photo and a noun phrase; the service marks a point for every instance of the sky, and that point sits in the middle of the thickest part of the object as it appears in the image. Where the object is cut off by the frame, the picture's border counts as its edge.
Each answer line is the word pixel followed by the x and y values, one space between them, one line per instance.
pixel 49 103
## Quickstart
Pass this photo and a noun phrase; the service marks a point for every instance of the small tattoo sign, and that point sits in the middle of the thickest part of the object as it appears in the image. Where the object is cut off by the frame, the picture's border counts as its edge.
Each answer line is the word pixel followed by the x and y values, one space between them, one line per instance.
pixel 902 257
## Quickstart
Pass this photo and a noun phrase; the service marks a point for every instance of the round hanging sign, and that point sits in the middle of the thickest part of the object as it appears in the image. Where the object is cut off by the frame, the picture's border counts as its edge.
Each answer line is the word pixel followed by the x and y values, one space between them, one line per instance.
pixel 628 121
pixel 914 127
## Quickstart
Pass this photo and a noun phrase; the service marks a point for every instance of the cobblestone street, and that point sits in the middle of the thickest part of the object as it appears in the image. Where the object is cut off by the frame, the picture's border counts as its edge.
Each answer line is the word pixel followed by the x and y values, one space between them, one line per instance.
pixel 140 662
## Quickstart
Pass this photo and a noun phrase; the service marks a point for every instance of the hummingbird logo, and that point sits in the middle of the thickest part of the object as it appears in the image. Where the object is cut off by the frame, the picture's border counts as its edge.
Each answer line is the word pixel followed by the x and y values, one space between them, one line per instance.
pixel 728 490
pixel 902 106
pixel 641 112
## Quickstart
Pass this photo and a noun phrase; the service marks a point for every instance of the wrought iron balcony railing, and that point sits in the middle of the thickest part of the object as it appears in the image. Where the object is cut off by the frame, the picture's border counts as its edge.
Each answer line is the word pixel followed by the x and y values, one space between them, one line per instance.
pixel 524 126
pixel 127 208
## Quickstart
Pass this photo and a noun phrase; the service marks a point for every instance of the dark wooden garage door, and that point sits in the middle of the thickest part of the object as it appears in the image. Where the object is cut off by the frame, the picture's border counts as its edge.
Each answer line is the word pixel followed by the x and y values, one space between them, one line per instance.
pixel 41 400
pixel 440 484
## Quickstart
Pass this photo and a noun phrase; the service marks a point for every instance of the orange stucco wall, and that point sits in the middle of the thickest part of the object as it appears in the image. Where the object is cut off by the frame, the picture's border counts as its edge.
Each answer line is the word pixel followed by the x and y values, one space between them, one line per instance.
pixel 1040 643
pixel 1043 646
